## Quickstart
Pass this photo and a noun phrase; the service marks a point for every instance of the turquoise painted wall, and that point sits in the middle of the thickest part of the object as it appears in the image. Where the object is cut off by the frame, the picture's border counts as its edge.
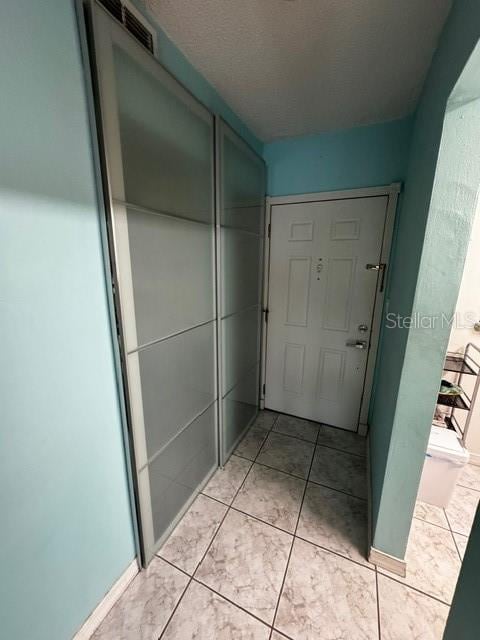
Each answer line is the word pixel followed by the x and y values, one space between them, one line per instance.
pixel 66 532
pixel 360 157
pixel 462 622
pixel 431 242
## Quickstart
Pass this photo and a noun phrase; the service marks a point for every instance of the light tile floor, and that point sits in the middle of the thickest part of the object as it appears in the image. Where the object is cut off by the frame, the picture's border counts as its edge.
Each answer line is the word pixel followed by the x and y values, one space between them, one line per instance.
pixel 275 549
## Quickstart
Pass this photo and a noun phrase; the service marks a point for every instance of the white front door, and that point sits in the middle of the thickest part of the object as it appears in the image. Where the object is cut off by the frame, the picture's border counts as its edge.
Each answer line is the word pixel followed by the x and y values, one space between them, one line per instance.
pixel 322 288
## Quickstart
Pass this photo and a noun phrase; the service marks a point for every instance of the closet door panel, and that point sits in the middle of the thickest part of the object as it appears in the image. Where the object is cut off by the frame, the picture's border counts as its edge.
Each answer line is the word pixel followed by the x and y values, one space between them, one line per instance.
pixel 177 381
pixel 180 469
pixel 241 188
pixel 166 146
pixel 158 144
pixel 241 265
pixel 182 252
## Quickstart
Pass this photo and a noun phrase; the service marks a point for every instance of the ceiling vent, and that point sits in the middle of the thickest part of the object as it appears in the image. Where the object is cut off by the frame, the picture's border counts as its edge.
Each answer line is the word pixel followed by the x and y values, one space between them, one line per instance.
pixel 133 21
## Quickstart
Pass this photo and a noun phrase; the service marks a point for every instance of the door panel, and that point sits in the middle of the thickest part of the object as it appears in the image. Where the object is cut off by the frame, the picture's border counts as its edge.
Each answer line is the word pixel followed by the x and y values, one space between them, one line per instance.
pixel 298 292
pixel 158 154
pixel 161 306
pixel 241 201
pixel 166 140
pixel 320 294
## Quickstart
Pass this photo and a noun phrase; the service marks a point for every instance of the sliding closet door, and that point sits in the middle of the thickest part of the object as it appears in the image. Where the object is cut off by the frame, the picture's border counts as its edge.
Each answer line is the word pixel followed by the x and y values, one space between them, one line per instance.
pixel 158 151
pixel 241 203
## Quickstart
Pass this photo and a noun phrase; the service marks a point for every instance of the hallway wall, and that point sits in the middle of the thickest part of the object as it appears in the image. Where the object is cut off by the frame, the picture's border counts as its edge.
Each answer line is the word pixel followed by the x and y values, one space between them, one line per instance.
pixel 462 623
pixel 468 311
pixel 66 533
pixel 425 279
pixel 360 157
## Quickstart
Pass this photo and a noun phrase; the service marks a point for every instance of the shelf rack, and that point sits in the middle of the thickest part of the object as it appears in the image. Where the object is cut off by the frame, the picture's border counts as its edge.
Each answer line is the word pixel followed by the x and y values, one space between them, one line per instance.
pixel 462 365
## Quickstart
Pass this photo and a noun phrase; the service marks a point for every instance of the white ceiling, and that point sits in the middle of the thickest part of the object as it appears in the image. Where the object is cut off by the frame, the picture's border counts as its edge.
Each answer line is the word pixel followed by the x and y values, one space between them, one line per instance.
pixel 295 67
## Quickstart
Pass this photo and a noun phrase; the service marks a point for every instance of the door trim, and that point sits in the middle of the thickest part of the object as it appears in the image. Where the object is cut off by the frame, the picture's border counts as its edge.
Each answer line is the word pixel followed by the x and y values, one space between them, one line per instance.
pixel 392 191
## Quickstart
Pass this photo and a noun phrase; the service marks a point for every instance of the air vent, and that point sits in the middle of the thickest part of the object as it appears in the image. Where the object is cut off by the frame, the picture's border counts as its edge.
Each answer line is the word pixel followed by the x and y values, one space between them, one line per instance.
pixel 114 7
pixel 134 23
pixel 137 29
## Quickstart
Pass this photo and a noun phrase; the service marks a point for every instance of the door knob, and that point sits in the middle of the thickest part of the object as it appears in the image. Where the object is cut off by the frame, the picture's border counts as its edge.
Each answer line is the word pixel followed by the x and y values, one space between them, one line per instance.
pixel 357 344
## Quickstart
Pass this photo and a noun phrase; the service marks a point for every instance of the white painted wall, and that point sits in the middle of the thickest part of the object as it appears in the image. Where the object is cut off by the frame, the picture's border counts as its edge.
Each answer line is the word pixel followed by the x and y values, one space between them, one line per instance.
pixel 469 303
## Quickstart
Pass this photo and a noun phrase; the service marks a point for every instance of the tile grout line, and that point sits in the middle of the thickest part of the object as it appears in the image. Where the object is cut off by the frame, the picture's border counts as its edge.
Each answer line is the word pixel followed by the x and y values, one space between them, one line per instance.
pixel 191 577
pixel 452 533
pixel 290 533
pixel 391 576
pixel 463 486
pixel 230 507
pixel 302 478
pixel 378 605
pixel 459 533
pixel 235 604
pixel 293 540
pixel 434 524
pixel 308 479
pixel 204 555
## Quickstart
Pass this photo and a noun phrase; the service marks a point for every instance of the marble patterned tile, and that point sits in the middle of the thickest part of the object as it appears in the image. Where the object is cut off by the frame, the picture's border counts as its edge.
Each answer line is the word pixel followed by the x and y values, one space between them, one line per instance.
pixel 470 477
pixel 273 496
pixel 335 521
pixel 277 636
pixel 343 440
pixel 144 608
pixel 461 542
pixel 251 443
pixel 461 510
pixel 432 560
pixel 226 482
pixel 287 454
pixel 407 614
pixel 431 513
pixel 340 470
pixel 246 564
pixel 265 419
pixel 290 426
pixel 190 539
pixel 203 615
pixel 326 596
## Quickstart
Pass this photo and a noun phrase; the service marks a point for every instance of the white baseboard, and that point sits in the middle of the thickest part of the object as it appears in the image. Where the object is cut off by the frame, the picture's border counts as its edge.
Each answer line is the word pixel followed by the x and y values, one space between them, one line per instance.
pixel 362 429
pixel 93 621
pixel 388 562
pixel 474 459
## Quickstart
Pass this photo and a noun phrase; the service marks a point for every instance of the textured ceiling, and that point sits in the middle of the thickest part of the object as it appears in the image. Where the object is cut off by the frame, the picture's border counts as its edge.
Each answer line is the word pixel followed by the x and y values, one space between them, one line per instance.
pixel 294 67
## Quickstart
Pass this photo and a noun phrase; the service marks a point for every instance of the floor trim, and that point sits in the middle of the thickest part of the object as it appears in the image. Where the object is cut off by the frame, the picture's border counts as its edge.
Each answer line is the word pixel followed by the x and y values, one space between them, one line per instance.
pixel 474 459
pixel 388 562
pixel 97 616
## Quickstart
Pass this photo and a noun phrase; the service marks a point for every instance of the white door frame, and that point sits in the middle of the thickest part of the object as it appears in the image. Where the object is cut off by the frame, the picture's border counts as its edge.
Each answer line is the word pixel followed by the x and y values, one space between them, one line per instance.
pixel 392 192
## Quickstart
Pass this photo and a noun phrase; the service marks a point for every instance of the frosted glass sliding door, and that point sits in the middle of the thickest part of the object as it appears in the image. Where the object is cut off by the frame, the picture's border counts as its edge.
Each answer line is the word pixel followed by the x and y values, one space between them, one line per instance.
pixel 158 153
pixel 240 223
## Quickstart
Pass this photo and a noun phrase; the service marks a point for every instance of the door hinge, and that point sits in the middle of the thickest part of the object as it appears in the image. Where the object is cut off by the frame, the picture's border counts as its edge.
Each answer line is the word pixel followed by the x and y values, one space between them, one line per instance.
pixel 266 311
pixel 263 389
pixel 269 232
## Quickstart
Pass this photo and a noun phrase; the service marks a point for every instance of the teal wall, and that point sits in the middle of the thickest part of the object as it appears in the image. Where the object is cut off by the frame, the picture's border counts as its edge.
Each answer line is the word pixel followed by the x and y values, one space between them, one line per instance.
pixel 430 249
pixel 360 157
pixel 66 532
pixel 463 620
